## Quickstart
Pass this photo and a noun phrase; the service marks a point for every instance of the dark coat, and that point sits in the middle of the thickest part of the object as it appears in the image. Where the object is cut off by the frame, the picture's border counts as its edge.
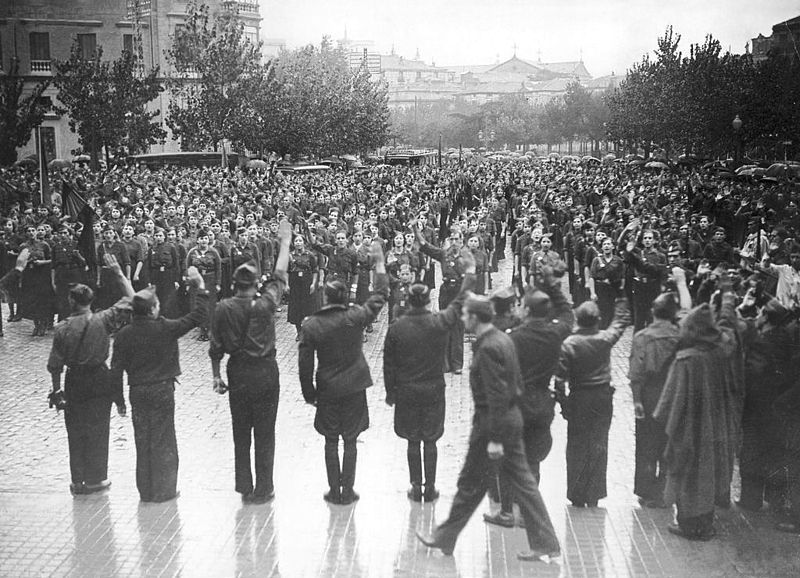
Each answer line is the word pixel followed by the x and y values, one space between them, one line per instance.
pixel 415 346
pixel 334 333
pixel 495 380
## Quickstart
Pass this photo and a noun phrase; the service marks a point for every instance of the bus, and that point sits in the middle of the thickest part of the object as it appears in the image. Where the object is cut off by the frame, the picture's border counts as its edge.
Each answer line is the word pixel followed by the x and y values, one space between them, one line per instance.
pixel 411 157
pixel 184 159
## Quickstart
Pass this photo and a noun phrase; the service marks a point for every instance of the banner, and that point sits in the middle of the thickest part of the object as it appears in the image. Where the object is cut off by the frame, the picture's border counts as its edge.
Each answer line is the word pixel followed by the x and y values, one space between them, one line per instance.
pixel 44 177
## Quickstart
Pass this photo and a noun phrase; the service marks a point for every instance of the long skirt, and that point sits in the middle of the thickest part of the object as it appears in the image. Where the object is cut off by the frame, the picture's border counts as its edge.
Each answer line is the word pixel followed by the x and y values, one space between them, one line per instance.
pixel 589 412
pixel 167 294
pixel 153 412
pixel 301 301
pixel 36 297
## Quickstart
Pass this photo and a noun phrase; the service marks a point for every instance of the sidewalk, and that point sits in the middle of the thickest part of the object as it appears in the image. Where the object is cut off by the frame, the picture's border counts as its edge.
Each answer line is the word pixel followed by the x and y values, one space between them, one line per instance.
pixel 208 532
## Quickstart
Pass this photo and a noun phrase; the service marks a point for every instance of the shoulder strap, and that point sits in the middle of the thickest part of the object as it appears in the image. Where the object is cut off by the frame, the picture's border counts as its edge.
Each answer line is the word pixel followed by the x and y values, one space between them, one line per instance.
pixel 73 355
pixel 243 337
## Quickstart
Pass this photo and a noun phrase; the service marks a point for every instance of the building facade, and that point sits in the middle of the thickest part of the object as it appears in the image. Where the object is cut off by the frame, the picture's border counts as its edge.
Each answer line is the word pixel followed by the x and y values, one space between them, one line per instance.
pixel 784 41
pixel 37 32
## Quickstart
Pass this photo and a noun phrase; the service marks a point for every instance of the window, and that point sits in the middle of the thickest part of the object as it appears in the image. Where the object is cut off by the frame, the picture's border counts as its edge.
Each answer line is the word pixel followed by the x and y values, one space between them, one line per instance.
pixel 87 45
pixel 40 45
pixel 127 43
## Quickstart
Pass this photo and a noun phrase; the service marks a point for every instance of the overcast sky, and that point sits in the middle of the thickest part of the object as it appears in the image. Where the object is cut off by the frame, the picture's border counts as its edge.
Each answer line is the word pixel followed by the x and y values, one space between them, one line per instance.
pixel 611 34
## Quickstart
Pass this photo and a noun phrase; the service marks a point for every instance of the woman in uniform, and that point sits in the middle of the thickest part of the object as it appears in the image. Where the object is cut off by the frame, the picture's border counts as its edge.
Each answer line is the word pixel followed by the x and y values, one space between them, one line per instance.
pixel 36 297
pixel 209 264
pixel 302 283
pixel 164 269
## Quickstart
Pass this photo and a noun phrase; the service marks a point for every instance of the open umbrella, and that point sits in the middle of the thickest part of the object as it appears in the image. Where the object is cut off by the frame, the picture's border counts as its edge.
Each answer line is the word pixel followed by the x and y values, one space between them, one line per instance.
pixel 656 165
pixel 59 164
pixel 257 164
pixel 609 157
pixel 31 161
pixel 633 157
pixel 726 175
pixel 554 156
pixel 777 170
pixel 571 158
pixel 590 159
pixel 82 159
pixel 637 162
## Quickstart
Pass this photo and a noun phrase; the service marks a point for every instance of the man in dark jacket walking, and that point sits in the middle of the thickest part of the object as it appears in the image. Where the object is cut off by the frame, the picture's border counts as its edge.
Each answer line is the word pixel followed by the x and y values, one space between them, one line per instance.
pixel 495 440
pixel 414 377
pixel 548 321
pixel 334 335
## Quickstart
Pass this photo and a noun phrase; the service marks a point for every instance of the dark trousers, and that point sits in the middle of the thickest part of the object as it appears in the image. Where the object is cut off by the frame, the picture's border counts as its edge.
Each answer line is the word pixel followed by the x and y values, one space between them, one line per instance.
pixel 153 413
pixel 454 346
pixel 87 424
pixel 606 296
pixel 475 478
pixel 341 475
pixel 650 473
pixel 643 296
pixel 587 443
pixel 537 442
pixel 417 457
pixel 254 393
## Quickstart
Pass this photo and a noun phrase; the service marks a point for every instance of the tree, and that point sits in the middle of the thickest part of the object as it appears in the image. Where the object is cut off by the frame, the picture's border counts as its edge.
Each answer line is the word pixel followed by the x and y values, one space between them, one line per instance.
pixel 107 101
pixel 18 115
pixel 313 103
pixel 215 68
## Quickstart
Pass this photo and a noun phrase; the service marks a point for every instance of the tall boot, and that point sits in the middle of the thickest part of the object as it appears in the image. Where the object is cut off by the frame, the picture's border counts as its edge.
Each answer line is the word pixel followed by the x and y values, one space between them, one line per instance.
pixel 333 471
pixel 349 471
pixel 431 455
pixel 415 471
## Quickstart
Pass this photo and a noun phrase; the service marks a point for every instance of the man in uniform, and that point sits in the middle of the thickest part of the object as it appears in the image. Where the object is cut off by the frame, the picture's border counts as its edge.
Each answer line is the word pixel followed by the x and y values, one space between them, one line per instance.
pixel 244 328
pixel 452 275
pixel 648 266
pixel 652 352
pixel 537 341
pixel 334 335
pixel 414 380
pixel 495 440
pixel 81 343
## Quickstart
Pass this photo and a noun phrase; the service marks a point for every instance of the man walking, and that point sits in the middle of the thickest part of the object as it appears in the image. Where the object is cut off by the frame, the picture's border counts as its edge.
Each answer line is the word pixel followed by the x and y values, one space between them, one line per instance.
pixel 537 341
pixel 496 438
pixel 244 328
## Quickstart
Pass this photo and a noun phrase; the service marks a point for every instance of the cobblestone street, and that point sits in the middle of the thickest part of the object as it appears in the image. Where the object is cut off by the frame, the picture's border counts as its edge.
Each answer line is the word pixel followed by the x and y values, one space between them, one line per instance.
pixel 207 531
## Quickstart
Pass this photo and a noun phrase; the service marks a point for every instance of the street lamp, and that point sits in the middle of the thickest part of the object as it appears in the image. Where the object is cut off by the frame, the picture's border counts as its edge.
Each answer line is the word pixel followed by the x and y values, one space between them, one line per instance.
pixel 737 127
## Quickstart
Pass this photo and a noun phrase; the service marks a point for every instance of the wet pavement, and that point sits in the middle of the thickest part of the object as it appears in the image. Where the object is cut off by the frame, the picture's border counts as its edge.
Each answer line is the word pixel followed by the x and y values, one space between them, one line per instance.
pixel 207 531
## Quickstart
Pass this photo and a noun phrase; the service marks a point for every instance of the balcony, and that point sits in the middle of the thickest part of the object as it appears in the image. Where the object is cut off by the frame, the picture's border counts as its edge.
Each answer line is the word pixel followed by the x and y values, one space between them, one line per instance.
pixel 41 67
pixel 243 6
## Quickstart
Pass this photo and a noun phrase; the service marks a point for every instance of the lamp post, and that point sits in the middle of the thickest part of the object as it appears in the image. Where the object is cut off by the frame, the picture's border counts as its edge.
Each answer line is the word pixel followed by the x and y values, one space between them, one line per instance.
pixel 737 127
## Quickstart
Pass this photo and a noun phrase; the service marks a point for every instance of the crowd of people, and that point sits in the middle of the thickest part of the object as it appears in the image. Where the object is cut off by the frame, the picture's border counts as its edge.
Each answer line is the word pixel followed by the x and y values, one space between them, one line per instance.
pixel 706 271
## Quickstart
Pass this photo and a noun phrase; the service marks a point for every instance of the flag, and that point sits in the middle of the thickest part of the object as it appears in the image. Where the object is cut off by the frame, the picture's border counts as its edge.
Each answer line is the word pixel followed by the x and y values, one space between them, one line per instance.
pixel 44 177
pixel 72 203
pixel 224 156
pixel 75 206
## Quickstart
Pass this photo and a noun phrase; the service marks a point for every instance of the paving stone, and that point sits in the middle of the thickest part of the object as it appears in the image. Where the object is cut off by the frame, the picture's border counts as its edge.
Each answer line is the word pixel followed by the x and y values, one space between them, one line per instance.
pixel 208 532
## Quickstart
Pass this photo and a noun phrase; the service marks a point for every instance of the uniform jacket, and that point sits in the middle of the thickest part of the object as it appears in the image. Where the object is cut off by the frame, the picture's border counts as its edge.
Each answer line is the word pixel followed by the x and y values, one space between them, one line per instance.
pixel 415 346
pixel 334 334
pixel 585 359
pixel 495 381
